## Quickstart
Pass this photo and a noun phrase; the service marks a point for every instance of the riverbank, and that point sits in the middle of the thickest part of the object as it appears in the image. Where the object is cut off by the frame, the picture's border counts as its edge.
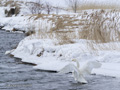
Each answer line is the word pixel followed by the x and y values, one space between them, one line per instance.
pixel 12 69
pixel 82 36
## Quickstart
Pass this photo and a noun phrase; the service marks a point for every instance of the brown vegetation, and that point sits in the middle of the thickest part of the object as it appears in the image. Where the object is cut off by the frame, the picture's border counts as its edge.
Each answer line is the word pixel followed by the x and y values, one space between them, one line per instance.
pixel 101 26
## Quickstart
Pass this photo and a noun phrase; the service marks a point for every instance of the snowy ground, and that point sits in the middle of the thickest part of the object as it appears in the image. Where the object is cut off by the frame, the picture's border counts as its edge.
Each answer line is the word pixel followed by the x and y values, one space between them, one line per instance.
pixel 47 54
pixel 51 57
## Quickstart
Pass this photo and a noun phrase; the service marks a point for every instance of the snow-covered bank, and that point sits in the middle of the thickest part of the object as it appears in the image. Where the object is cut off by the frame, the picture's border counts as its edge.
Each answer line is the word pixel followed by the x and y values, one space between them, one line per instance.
pixel 109 69
pixel 10 23
pixel 58 39
pixel 23 23
pixel 48 55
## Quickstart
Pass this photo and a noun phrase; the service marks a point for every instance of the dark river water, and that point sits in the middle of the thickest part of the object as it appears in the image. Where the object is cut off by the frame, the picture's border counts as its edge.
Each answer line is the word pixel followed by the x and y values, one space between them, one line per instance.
pixel 15 75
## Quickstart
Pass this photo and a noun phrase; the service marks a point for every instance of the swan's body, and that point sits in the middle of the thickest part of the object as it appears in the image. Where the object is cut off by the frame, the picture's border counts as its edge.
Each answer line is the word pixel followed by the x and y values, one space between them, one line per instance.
pixel 78 74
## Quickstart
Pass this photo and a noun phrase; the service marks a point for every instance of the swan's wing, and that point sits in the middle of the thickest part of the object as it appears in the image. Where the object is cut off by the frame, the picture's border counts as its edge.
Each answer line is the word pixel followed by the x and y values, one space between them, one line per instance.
pixel 76 72
pixel 68 68
pixel 89 66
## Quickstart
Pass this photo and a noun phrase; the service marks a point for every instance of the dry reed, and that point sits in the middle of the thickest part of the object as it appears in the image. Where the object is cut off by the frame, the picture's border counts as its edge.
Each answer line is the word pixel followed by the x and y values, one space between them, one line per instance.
pixel 100 26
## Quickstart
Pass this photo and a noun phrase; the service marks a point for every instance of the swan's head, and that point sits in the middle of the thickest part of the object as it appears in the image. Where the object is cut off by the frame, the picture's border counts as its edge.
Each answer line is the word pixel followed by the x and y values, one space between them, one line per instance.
pixel 74 60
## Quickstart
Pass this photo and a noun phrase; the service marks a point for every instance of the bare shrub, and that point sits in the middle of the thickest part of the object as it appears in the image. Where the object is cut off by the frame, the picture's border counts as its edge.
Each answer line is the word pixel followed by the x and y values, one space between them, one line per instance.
pixel 73 4
pixel 35 7
pixel 48 7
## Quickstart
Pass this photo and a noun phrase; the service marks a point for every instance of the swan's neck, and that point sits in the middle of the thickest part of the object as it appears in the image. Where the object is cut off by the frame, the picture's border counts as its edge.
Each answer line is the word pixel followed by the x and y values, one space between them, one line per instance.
pixel 78 65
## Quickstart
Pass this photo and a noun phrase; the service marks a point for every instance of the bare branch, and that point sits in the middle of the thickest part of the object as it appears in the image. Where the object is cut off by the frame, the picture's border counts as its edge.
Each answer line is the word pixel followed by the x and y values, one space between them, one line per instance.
pixel 73 4
pixel 48 7
pixel 35 7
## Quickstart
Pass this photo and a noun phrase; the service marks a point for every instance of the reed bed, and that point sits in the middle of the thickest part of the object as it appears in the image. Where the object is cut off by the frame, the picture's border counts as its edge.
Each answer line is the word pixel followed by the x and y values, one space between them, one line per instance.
pixel 98 26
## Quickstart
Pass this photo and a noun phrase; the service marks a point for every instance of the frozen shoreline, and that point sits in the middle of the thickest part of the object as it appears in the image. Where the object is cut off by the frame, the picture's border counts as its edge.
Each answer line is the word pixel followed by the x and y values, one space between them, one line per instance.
pixel 49 55
pixel 12 70
pixel 54 58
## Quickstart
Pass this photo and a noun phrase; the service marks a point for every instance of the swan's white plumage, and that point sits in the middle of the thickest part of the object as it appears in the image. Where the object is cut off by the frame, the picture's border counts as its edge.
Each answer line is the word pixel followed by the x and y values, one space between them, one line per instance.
pixel 79 73
pixel 68 68
pixel 76 73
pixel 89 66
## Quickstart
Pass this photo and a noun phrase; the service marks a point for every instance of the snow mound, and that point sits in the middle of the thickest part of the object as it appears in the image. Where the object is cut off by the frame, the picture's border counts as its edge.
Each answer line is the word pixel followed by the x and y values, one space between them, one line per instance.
pixel 51 57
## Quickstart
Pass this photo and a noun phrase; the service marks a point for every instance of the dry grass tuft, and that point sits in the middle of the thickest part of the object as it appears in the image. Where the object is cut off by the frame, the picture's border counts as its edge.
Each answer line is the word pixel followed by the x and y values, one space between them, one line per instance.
pixel 100 26
pixel 101 29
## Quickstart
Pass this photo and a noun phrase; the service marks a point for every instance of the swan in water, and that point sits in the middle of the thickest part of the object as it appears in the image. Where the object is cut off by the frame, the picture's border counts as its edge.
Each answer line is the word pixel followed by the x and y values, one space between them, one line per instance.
pixel 78 74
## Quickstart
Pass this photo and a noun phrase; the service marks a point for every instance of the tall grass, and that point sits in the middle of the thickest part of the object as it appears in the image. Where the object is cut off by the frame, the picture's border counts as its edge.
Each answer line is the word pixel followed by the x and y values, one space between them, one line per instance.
pixel 100 27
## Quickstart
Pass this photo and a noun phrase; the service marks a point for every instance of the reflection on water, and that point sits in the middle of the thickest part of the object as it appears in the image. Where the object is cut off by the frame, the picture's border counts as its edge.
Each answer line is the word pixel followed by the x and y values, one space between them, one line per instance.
pixel 15 75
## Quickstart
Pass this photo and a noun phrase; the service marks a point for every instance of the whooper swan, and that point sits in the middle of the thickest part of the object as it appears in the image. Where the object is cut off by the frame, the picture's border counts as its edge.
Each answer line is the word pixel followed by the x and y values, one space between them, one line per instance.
pixel 78 73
